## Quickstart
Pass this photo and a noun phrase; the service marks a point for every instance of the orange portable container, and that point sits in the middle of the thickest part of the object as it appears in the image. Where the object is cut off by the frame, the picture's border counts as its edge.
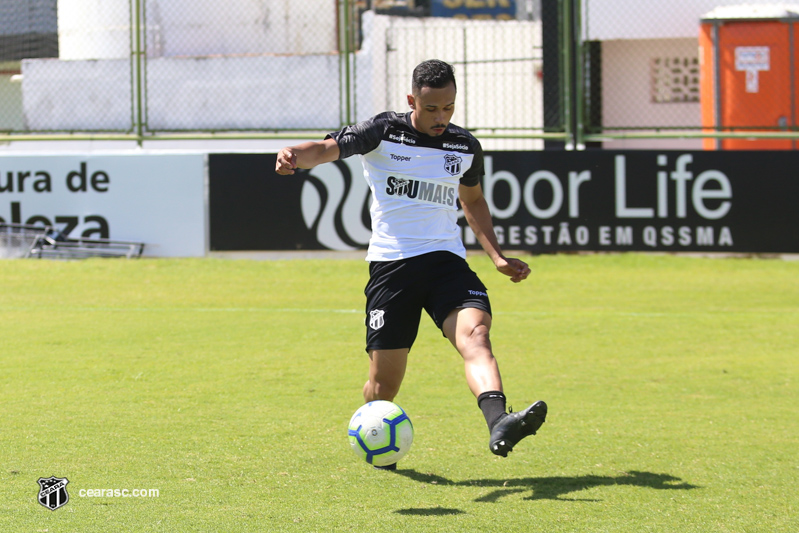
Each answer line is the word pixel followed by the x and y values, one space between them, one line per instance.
pixel 748 80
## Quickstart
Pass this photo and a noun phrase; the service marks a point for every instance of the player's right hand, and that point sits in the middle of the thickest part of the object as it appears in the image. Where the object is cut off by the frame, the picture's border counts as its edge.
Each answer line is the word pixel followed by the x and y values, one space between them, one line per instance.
pixel 516 269
pixel 286 162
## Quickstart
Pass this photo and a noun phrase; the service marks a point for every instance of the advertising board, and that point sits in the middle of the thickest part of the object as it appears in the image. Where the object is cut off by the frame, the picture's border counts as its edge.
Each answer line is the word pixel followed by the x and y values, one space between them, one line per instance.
pixel 543 202
pixel 155 199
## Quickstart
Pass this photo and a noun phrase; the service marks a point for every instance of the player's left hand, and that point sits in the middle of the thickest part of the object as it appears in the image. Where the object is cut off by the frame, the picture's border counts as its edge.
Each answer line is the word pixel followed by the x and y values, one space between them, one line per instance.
pixel 516 269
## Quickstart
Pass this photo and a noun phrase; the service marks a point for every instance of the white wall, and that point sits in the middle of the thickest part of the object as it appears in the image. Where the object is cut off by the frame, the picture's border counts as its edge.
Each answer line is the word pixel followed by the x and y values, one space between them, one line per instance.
pixel 298 91
pixel 627 93
pixel 67 95
pixel 93 29
pixel 100 29
pixel 503 94
pixel 184 93
pixel 261 92
pixel 652 19
pixel 491 94
pixel 204 93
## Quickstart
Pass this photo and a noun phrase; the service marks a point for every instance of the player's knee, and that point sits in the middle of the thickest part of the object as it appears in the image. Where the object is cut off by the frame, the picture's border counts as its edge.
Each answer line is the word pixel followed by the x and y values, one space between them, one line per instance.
pixel 477 336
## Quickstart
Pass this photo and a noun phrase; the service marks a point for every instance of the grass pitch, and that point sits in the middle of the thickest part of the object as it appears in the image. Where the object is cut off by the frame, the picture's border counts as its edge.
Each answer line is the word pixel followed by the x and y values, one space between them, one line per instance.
pixel 228 386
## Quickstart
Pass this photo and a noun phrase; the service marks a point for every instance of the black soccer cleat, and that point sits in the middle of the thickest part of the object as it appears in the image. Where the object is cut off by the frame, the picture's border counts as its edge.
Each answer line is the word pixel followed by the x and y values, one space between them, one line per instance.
pixel 510 429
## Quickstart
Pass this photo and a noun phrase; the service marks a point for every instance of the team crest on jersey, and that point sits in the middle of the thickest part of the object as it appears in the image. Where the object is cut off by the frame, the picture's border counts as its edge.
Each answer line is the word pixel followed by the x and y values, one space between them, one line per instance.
pixel 376 320
pixel 452 164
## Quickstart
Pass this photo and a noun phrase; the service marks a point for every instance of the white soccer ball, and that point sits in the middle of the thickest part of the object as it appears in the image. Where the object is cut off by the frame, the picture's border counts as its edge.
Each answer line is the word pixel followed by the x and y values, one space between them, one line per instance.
pixel 380 433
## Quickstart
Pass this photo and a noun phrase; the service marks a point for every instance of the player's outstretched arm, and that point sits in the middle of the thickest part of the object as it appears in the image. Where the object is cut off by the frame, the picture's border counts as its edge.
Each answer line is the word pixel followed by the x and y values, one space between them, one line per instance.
pixel 306 155
pixel 475 209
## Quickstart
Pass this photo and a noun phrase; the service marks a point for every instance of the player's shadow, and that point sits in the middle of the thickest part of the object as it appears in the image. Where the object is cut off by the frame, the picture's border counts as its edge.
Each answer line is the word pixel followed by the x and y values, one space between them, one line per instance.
pixel 555 488
pixel 433 511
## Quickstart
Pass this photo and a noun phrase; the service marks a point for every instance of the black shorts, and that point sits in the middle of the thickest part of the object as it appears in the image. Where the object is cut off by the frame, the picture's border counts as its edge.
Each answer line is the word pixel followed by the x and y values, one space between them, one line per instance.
pixel 437 282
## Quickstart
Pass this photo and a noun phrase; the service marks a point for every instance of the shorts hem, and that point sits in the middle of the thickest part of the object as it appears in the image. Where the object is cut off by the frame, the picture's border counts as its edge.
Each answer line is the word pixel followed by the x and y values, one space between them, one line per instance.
pixel 370 348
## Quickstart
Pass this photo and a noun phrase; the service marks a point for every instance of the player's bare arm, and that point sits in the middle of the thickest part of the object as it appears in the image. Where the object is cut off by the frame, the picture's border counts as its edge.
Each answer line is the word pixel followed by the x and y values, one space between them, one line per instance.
pixel 306 155
pixel 475 208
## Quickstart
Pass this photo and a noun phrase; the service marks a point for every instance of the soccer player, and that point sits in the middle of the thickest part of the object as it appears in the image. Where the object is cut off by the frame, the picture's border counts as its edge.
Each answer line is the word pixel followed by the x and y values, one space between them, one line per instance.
pixel 417 165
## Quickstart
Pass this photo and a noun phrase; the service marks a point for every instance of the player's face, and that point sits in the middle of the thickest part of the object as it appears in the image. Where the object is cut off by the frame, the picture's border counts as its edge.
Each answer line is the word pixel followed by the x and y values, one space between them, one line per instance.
pixel 431 109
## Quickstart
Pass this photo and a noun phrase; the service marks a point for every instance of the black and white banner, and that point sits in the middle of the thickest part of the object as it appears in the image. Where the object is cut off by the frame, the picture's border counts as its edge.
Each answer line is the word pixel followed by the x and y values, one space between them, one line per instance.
pixel 742 202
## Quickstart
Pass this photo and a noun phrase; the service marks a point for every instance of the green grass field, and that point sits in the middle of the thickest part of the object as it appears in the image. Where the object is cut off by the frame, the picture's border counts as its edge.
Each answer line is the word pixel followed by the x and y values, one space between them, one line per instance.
pixel 672 382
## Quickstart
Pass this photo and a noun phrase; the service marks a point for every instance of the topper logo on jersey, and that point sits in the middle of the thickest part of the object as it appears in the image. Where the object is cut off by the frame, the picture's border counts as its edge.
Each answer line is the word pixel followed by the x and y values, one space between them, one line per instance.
pixel 452 164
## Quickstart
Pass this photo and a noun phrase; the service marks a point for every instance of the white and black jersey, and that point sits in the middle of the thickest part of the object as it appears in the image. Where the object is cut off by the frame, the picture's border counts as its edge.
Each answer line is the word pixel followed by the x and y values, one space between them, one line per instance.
pixel 414 181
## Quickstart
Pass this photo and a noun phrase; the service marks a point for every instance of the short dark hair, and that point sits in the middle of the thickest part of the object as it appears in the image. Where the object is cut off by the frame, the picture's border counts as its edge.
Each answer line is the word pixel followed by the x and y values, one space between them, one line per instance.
pixel 433 73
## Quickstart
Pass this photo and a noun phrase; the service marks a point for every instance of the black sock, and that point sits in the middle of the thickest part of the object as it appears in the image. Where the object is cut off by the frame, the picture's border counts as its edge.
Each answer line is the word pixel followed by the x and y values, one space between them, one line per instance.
pixel 492 403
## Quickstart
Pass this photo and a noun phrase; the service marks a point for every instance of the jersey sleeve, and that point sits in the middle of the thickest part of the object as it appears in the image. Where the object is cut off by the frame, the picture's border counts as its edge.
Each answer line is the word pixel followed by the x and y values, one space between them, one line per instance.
pixel 360 138
pixel 472 176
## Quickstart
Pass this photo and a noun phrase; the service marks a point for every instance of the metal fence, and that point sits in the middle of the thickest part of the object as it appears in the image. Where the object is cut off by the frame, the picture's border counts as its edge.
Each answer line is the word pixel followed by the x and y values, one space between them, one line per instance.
pixel 166 69
pixel 711 71
pixel 573 72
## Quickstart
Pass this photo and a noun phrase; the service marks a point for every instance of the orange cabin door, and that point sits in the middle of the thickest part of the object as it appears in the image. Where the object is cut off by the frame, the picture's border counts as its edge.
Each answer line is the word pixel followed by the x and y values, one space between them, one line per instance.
pixel 755 82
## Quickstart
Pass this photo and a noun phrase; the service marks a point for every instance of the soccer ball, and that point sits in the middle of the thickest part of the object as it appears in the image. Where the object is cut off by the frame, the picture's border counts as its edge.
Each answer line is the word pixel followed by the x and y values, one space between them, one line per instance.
pixel 380 432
